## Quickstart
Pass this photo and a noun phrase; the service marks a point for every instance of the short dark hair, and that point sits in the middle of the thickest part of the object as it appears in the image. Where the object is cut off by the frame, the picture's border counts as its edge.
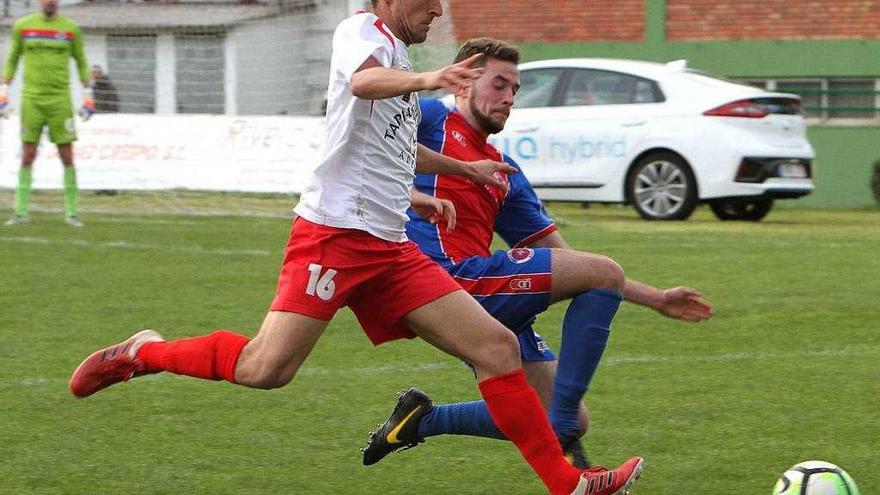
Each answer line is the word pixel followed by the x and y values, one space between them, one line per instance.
pixel 490 48
pixel 374 2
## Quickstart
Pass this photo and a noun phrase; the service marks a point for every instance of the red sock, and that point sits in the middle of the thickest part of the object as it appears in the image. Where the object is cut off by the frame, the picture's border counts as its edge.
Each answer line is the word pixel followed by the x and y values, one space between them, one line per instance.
pixel 212 357
pixel 517 412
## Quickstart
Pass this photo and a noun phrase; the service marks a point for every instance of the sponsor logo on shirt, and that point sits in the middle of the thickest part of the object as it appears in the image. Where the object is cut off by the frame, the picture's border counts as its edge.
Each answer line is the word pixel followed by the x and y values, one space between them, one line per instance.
pixel 518 284
pixel 520 255
pixel 408 116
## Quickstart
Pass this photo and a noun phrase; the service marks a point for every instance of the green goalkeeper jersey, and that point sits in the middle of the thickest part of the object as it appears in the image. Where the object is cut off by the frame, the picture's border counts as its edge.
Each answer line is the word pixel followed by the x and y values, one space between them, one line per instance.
pixel 46 44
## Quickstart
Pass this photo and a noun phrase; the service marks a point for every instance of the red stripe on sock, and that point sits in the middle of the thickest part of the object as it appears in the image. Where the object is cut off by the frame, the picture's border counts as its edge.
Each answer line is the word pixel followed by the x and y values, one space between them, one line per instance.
pixel 211 357
pixel 517 412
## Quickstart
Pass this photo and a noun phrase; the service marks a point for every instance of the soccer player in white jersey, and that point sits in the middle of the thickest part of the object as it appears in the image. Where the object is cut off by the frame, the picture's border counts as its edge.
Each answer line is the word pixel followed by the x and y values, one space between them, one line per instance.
pixel 348 247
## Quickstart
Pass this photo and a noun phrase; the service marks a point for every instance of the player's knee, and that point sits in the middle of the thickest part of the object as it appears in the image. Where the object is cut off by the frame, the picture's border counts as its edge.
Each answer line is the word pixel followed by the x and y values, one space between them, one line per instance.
pixel 500 352
pixel 610 273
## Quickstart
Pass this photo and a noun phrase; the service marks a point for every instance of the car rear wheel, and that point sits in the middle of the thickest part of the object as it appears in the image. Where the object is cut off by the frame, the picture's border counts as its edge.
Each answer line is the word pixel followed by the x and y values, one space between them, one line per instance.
pixel 662 186
pixel 750 209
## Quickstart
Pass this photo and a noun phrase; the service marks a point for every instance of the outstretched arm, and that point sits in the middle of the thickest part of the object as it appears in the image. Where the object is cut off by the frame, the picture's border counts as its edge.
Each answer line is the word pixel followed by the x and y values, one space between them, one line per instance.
pixel 682 303
pixel 373 81
pixel 429 161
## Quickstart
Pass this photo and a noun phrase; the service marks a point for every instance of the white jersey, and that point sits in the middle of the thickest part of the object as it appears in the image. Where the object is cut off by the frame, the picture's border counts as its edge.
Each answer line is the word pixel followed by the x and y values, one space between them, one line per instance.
pixel 368 163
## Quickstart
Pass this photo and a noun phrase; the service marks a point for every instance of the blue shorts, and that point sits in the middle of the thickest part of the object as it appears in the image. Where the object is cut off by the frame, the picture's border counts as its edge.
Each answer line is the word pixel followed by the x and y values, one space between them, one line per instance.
pixel 533 347
pixel 514 287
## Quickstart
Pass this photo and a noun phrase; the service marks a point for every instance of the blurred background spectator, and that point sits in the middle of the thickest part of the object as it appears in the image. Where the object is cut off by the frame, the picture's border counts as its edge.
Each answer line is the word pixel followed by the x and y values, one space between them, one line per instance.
pixel 106 96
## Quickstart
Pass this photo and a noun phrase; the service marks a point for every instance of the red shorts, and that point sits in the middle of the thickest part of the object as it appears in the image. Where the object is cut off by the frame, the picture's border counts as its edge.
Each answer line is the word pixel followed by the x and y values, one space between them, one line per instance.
pixel 326 268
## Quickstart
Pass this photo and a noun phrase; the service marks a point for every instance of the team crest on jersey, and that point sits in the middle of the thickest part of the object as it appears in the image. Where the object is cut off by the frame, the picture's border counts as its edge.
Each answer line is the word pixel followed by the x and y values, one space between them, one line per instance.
pixel 520 255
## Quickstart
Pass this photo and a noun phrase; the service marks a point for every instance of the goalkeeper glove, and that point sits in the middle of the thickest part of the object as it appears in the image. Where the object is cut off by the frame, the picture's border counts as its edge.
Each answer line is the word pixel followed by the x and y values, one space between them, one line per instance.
pixel 4 101
pixel 88 104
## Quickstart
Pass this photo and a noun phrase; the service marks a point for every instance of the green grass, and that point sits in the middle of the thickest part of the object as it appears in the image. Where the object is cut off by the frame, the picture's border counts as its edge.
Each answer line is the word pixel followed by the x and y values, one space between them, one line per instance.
pixel 788 370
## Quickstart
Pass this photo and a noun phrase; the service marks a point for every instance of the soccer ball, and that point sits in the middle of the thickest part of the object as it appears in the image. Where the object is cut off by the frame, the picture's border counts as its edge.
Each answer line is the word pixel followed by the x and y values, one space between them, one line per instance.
pixel 815 478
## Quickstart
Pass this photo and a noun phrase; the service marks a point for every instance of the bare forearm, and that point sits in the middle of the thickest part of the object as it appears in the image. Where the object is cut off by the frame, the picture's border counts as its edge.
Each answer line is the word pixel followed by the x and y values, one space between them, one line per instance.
pixel 642 294
pixel 429 161
pixel 418 198
pixel 379 83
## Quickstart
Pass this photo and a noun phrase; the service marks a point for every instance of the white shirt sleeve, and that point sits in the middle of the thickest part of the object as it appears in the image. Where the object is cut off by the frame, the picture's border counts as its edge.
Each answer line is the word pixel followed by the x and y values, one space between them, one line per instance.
pixel 359 38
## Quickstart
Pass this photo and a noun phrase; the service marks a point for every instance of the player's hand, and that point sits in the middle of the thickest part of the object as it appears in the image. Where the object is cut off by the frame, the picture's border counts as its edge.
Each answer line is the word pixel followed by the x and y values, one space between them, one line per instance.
pixel 4 101
pixel 434 210
pixel 88 105
pixel 684 303
pixel 456 76
pixel 488 172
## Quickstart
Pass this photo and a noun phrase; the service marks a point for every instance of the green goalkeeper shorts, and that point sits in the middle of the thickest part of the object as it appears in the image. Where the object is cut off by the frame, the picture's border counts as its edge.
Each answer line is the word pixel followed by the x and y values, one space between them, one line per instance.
pixel 56 113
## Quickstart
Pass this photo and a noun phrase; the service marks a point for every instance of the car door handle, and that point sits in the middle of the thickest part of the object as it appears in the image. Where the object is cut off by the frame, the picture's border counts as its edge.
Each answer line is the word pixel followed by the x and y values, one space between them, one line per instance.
pixel 527 129
pixel 634 123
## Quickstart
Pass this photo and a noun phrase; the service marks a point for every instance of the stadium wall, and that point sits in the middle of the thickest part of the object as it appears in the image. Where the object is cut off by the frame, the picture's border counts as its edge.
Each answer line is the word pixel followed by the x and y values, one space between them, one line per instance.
pixel 740 39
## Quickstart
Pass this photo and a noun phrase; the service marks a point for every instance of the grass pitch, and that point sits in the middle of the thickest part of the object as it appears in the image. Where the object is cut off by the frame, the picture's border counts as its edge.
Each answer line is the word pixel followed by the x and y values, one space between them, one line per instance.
pixel 788 370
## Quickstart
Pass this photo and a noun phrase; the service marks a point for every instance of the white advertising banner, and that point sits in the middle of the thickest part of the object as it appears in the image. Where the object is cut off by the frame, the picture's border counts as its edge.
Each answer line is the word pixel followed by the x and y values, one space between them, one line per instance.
pixel 201 152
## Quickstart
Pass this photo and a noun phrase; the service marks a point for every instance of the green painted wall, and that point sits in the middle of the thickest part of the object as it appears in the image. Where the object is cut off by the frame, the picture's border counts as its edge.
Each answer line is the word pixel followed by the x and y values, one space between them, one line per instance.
pixel 735 58
pixel 844 156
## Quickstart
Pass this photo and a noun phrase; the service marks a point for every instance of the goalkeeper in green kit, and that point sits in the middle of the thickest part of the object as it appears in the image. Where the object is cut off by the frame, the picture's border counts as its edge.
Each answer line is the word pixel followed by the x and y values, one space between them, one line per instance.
pixel 46 40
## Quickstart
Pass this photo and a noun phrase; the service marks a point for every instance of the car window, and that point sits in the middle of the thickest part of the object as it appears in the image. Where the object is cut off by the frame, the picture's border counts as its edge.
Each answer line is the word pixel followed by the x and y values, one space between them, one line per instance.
pixel 537 87
pixel 599 87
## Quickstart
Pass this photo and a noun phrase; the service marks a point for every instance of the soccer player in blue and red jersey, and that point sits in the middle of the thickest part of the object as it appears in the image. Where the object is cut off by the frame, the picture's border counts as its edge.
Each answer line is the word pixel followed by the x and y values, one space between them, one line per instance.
pixel 516 285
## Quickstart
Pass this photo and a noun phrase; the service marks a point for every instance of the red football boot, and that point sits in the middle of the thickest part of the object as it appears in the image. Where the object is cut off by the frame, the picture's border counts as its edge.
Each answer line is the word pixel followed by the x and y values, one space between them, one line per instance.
pixel 600 481
pixel 114 364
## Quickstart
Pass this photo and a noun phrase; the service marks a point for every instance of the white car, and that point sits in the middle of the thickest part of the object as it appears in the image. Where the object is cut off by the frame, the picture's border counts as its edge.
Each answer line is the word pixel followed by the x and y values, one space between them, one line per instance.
pixel 661 137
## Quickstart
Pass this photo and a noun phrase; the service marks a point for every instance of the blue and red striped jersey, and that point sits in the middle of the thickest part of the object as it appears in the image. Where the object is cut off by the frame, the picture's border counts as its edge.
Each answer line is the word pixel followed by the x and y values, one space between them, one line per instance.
pixel 517 214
